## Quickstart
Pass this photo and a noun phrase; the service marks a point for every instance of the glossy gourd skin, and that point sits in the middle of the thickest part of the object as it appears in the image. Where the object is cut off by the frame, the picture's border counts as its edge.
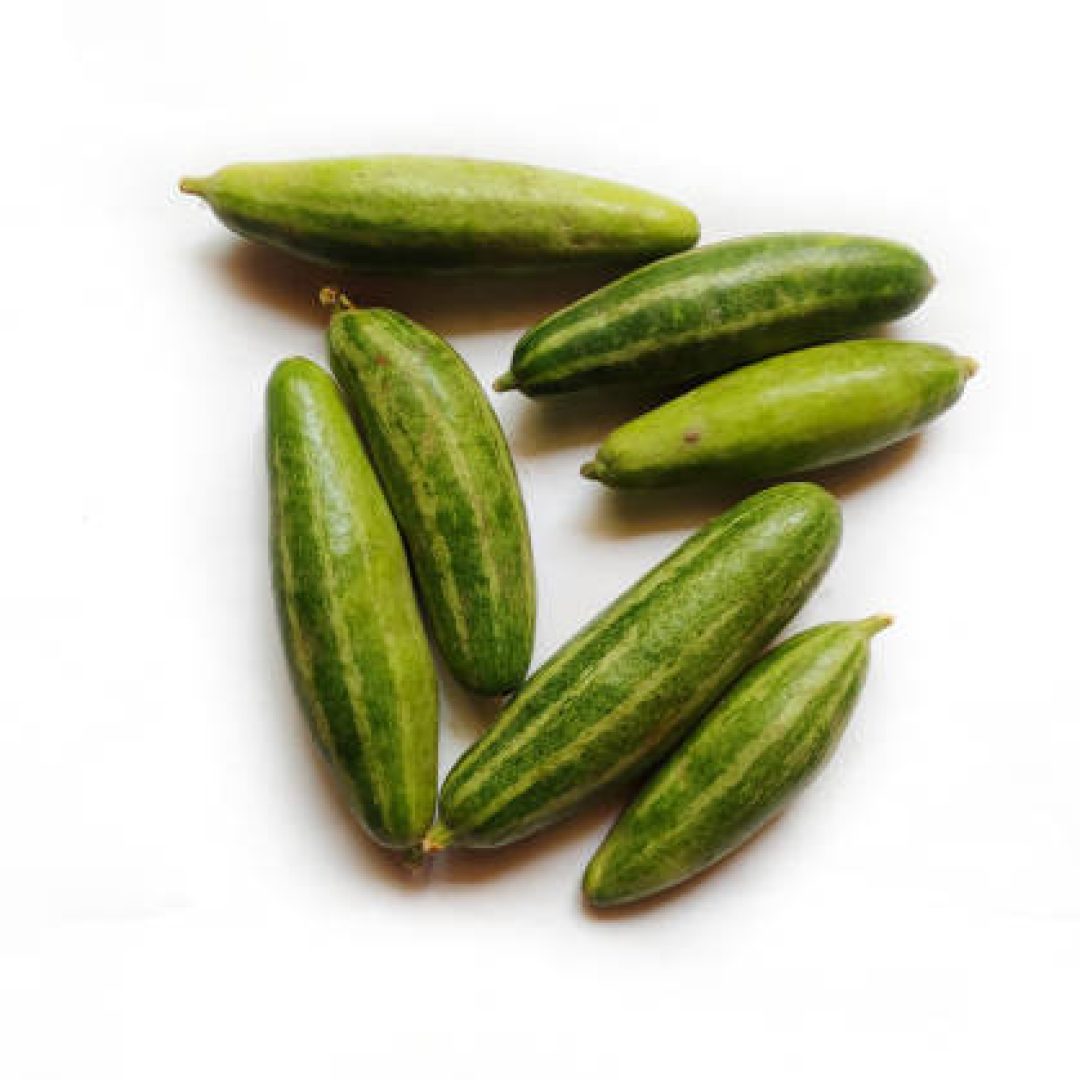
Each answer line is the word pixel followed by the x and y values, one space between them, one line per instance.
pixel 356 647
pixel 444 465
pixel 740 767
pixel 620 694
pixel 786 415
pixel 417 213
pixel 706 311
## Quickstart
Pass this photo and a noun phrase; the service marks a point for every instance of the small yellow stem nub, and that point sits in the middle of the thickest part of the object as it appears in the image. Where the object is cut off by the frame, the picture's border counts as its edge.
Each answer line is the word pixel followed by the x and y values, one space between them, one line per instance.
pixel 875 624
pixel 332 297
pixel 970 366
pixel 438 837
pixel 506 381
pixel 590 471
pixel 193 185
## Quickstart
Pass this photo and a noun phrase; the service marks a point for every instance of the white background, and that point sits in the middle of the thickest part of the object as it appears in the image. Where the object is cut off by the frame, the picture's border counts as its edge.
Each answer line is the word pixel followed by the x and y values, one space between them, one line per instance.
pixel 180 892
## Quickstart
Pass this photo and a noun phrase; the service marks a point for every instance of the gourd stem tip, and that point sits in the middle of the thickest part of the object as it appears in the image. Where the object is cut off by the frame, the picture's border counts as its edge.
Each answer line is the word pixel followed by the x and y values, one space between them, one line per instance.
pixel 437 838
pixel 876 623
pixel 331 296
pixel 506 381
pixel 193 185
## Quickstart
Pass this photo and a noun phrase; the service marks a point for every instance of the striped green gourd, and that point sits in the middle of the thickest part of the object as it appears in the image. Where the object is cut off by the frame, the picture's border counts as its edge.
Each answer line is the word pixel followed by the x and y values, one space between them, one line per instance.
pixel 615 698
pixel 783 416
pixel 746 761
pixel 353 636
pixel 410 212
pixel 718 307
pixel 443 462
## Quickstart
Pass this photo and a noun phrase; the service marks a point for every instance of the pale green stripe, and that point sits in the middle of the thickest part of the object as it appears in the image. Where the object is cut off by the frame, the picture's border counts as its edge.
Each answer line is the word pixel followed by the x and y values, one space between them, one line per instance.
pixel 643 691
pixel 745 760
pixel 608 317
pixel 440 548
pixel 342 637
pixel 459 466
pixel 569 653
pixel 300 651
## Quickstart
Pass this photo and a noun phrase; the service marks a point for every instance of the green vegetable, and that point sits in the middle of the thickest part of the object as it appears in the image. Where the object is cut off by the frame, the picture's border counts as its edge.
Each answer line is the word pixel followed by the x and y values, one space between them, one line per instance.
pixel 718 307
pixel 441 213
pixel 443 462
pixel 620 694
pixel 353 636
pixel 746 761
pixel 786 415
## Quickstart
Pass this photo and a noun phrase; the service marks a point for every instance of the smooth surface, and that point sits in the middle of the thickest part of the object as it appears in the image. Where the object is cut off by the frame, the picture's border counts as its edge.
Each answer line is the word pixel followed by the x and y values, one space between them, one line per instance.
pixel 182 894
pixel 702 312
pixel 747 759
pixel 347 611
pixel 786 415
pixel 442 459
pixel 621 693
pixel 417 212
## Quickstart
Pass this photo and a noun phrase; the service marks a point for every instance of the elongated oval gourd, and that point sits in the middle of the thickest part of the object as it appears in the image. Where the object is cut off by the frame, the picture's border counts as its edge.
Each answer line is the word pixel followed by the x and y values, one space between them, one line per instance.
pixel 746 761
pixel 410 212
pixel 783 416
pixel 616 697
pixel 718 307
pixel 444 464
pixel 353 636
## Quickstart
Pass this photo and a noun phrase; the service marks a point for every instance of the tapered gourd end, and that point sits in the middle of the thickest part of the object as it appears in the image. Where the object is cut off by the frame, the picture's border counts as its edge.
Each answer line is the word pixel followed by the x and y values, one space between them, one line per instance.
pixel 875 624
pixel 970 366
pixel 194 185
pixel 595 887
pixel 593 470
pixel 506 381
pixel 438 838
pixel 598 470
